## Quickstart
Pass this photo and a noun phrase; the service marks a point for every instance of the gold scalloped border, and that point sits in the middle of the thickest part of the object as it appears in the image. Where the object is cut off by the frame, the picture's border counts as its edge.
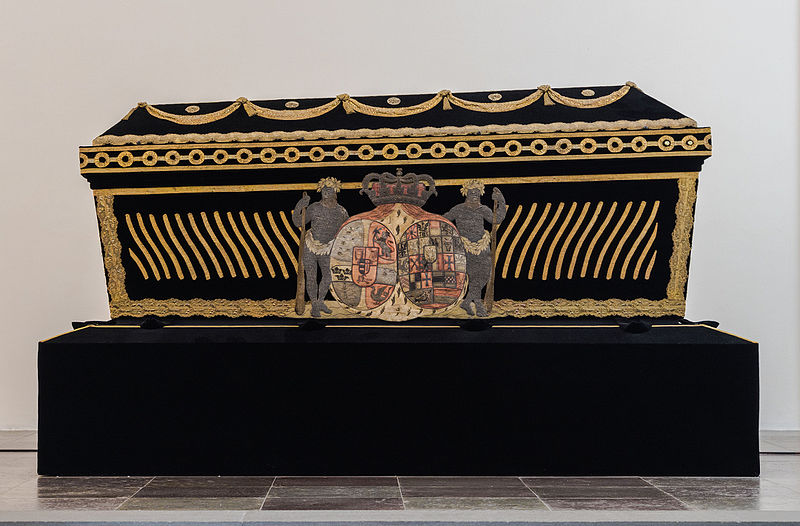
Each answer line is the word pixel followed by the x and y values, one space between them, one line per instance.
pixel 374 133
pixel 673 305
pixel 352 105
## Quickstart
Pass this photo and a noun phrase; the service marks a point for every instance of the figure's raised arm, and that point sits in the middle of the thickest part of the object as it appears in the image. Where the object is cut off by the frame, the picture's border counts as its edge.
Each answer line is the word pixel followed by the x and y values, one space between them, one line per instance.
pixel 497 196
pixel 298 208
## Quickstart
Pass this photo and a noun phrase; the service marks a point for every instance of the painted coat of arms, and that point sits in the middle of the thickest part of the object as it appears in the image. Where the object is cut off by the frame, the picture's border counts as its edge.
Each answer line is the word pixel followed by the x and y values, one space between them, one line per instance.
pixel 396 261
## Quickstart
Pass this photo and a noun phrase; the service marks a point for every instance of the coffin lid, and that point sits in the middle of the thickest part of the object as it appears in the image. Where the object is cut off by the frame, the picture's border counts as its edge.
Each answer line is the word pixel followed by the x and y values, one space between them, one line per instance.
pixel 543 110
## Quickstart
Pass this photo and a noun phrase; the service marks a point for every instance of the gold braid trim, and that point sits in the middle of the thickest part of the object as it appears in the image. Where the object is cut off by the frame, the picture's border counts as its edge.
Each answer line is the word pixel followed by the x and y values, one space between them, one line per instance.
pixel 112 254
pixel 189 119
pixel 496 107
pixel 684 219
pixel 587 103
pixel 504 307
pixel 588 307
pixel 290 115
pixel 186 138
pixel 352 105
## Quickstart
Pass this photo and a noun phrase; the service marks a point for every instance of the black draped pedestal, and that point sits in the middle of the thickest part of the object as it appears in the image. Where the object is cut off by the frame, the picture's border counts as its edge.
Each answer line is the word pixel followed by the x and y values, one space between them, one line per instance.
pixel 356 399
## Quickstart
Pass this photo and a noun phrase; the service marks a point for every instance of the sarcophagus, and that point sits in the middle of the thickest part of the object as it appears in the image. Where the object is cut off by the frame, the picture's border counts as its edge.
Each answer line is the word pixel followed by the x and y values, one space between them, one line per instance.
pixel 545 202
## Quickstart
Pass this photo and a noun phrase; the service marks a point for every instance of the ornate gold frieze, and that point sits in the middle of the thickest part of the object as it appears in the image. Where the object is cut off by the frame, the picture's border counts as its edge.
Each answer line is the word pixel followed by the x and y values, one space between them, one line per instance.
pixel 431 150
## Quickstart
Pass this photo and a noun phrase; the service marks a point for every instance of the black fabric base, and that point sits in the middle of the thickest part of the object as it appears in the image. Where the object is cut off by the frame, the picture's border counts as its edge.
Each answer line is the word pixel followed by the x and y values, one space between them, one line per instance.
pixel 400 400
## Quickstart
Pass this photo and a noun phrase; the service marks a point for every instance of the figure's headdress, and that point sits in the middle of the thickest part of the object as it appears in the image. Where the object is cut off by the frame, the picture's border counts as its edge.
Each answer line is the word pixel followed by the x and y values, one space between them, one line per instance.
pixel 469 185
pixel 330 182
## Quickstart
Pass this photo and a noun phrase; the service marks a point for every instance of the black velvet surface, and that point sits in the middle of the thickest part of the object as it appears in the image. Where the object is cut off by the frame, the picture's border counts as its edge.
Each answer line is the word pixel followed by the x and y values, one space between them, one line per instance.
pixel 402 400
pixel 518 288
pixel 635 105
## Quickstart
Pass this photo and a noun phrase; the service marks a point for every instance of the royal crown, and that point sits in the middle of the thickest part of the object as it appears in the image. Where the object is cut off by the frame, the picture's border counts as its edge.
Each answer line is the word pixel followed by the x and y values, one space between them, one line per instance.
pixel 385 188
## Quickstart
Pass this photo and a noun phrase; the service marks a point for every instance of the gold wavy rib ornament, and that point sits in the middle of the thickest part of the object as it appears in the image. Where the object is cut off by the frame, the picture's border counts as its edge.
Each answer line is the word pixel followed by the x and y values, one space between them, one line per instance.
pixel 289 229
pixel 542 240
pixel 597 235
pixel 193 247
pixel 282 241
pixel 178 245
pixel 518 235
pixel 539 223
pixel 138 263
pixel 650 265
pixel 205 244
pixel 624 238
pixel 638 240
pixel 141 246
pixel 270 244
pixel 230 243
pixel 244 244
pixel 568 240
pixel 581 239
pixel 164 244
pixel 257 243
pixel 555 240
pixel 645 251
pixel 507 231
pixel 611 237
pixel 152 245
pixel 219 246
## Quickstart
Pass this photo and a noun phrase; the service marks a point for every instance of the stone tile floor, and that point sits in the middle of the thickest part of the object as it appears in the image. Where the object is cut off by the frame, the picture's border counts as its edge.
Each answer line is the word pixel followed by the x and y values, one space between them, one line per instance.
pixel 778 488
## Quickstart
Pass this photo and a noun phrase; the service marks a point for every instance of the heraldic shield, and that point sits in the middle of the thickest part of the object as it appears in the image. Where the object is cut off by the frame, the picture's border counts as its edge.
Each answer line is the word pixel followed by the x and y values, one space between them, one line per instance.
pixel 363 264
pixel 432 263
pixel 376 275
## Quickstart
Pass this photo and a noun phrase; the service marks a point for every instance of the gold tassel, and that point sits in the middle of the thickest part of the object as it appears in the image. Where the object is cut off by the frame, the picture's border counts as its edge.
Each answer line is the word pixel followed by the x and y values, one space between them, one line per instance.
pixel 347 104
pixel 445 95
pixel 248 106
pixel 545 89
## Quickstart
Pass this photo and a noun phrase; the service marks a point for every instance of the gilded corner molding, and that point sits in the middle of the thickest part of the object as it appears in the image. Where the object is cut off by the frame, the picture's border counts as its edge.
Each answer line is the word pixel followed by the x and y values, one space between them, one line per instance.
pixel 681 235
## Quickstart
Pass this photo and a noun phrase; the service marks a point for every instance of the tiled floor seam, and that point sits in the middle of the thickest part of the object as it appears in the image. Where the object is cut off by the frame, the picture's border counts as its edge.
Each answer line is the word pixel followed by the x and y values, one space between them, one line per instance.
pixel 667 493
pixel 136 492
pixel 400 489
pixel 272 485
pixel 546 505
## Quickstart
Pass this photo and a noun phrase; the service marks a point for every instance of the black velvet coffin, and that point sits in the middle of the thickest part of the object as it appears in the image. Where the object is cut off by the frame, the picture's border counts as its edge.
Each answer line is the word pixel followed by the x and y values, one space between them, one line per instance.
pixel 414 399
pixel 194 200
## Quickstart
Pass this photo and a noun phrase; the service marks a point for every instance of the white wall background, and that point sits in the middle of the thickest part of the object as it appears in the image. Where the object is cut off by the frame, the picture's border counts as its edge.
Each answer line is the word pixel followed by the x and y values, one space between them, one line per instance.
pixel 69 70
